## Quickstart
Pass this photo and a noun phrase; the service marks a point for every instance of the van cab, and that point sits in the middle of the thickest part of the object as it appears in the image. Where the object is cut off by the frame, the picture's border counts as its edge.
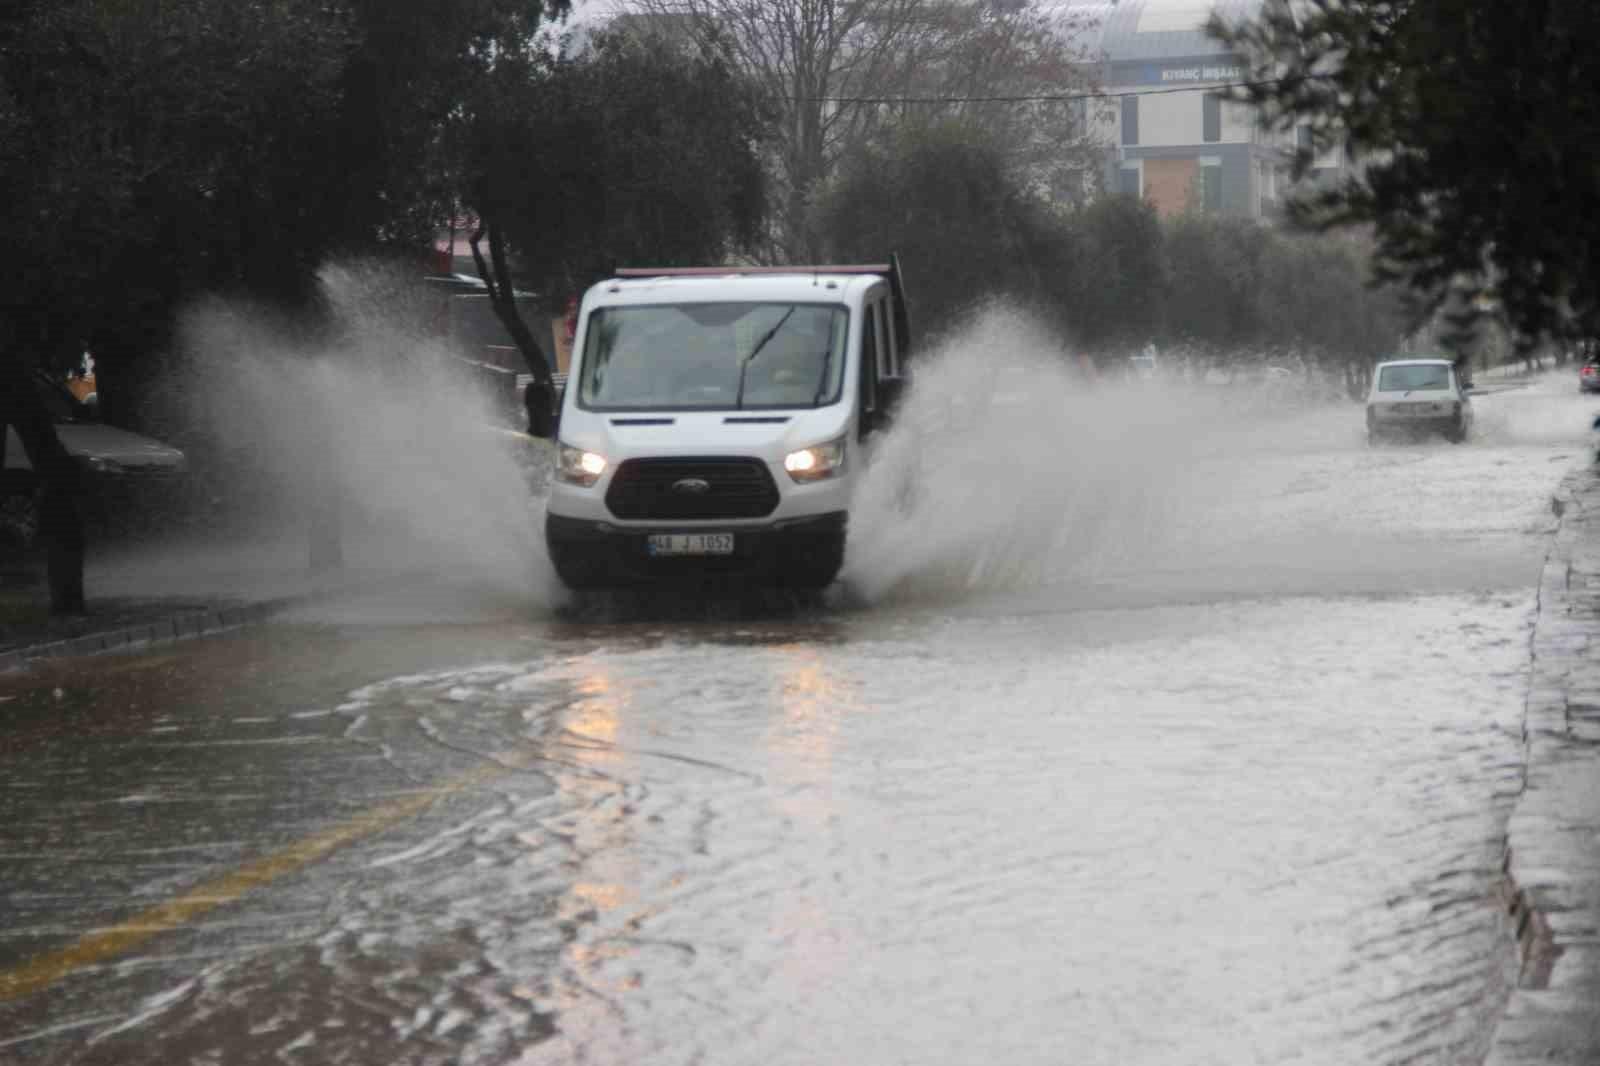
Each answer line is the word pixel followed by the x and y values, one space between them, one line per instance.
pixel 715 420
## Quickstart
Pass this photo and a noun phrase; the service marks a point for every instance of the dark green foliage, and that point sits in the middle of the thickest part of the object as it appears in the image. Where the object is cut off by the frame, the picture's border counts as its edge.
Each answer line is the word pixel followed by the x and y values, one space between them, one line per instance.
pixel 640 152
pixel 1216 278
pixel 940 193
pixel 160 148
pixel 1111 276
pixel 414 64
pixel 153 150
pixel 1117 285
pixel 1478 128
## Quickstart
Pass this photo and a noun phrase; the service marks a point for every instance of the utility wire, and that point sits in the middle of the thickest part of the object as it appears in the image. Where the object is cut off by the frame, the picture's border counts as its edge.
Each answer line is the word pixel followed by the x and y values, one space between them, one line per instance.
pixel 1099 94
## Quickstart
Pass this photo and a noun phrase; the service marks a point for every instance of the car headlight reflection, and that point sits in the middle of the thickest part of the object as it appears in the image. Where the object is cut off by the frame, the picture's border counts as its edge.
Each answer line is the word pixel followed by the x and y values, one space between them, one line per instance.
pixel 816 463
pixel 578 467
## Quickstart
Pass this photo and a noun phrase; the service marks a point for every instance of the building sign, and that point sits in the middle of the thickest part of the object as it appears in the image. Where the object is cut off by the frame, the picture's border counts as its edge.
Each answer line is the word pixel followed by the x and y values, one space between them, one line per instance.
pixel 1192 72
pixel 1202 74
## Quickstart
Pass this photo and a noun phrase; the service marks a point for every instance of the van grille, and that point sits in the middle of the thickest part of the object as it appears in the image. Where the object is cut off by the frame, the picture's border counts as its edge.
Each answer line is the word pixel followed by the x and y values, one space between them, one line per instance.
pixel 651 489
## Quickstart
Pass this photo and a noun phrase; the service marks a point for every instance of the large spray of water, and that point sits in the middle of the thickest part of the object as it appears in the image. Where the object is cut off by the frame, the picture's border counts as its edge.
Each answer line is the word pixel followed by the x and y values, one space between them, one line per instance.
pixel 373 411
pixel 1008 468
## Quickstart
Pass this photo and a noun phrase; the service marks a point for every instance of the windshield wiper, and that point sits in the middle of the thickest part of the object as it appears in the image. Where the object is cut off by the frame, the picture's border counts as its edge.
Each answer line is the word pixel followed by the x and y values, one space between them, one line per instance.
pixel 738 399
pixel 822 382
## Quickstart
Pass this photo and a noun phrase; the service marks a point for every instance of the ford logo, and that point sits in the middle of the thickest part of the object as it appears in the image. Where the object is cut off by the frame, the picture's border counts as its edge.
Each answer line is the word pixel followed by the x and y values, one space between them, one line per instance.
pixel 691 486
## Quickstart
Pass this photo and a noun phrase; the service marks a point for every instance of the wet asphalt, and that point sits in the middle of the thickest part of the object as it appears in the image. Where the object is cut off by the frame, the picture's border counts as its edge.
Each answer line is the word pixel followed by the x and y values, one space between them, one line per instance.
pixel 1241 799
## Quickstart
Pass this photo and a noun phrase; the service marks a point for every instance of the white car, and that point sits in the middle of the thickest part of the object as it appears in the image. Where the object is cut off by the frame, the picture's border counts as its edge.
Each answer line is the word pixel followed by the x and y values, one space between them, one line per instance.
pixel 1418 397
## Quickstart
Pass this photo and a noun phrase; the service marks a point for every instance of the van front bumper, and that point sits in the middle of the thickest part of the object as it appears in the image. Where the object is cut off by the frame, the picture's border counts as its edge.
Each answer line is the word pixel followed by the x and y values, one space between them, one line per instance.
pixel 804 552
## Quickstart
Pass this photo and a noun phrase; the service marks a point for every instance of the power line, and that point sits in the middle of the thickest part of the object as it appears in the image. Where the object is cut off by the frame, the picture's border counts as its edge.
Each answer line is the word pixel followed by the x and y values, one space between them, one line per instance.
pixel 1049 97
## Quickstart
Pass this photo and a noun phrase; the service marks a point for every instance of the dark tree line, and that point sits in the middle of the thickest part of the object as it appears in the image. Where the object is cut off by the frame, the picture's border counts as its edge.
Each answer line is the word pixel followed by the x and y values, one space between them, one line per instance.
pixel 152 151
pixel 155 151
pixel 1111 275
pixel 1477 141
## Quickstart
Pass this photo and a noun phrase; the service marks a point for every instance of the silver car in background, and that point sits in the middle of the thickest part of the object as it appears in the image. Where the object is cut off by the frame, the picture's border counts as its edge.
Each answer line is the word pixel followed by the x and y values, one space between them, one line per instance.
pixel 1413 398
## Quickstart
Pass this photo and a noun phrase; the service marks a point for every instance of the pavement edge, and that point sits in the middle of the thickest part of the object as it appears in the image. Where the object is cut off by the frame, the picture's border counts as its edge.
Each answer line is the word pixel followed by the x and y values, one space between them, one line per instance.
pixel 1552 862
pixel 182 625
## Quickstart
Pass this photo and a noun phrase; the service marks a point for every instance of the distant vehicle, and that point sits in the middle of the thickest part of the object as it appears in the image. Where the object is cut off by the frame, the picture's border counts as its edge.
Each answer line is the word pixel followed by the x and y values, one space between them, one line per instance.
pixel 1418 397
pixel 1589 376
pixel 715 420
pixel 103 452
pixel 1143 367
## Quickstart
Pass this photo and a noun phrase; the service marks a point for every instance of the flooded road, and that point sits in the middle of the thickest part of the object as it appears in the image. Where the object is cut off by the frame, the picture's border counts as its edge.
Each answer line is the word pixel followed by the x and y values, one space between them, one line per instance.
pixel 1227 785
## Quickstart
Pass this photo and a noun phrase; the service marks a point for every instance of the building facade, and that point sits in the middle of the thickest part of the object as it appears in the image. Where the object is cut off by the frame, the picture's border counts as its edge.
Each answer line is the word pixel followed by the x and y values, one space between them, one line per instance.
pixel 1171 138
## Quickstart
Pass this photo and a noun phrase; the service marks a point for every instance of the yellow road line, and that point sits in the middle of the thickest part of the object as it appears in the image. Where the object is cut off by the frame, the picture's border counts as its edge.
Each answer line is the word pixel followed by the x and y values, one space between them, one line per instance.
pixel 44 970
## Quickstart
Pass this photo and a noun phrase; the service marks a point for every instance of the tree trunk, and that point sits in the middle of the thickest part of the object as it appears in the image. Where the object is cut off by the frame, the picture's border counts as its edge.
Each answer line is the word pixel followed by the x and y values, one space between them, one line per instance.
pixel 539 398
pixel 60 524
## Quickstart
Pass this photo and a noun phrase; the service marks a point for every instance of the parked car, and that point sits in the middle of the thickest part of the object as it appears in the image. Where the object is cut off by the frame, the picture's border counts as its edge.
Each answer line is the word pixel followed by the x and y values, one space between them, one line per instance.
pixel 1418 397
pixel 1144 366
pixel 1589 376
pixel 110 457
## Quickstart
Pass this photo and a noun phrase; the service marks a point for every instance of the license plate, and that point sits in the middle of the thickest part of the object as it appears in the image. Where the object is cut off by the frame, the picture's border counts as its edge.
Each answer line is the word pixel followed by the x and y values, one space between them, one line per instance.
pixel 690 544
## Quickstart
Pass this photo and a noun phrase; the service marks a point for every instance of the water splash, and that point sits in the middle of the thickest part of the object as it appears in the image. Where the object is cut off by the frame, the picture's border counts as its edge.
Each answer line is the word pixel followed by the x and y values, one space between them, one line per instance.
pixel 1009 466
pixel 374 411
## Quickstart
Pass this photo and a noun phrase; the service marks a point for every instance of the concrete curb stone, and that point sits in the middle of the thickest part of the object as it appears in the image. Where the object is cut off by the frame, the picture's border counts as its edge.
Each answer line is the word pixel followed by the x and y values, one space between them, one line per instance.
pixel 182 626
pixel 1553 835
pixel 194 621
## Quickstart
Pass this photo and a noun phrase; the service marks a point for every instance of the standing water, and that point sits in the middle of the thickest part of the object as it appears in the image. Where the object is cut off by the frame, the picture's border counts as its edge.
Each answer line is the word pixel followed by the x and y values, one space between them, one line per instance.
pixel 1151 729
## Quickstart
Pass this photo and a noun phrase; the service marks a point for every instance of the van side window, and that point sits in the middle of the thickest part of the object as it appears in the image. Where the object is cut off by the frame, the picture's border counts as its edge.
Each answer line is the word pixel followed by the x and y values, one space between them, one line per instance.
pixel 870 326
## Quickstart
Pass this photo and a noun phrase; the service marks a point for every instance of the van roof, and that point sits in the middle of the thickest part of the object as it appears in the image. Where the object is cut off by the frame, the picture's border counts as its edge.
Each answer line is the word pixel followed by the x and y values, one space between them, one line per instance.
pixel 1431 361
pixel 708 286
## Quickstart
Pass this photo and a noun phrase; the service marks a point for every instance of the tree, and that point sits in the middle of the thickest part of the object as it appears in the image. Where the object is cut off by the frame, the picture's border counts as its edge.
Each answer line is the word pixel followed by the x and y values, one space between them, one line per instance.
pixel 1477 135
pixel 1111 276
pixel 152 150
pixel 1117 296
pixel 1214 267
pixel 835 68
pixel 945 194
pixel 639 150
pixel 1315 295
pixel 134 163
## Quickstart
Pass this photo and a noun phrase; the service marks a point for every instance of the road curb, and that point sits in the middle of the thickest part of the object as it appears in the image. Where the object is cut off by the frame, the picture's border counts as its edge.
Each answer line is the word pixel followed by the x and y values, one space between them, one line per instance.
pixel 181 625
pixel 1552 861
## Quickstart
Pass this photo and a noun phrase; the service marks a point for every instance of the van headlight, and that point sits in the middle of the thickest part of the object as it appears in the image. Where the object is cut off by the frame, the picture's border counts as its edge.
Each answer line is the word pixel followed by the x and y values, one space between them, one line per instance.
pixel 816 463
pixel 578 467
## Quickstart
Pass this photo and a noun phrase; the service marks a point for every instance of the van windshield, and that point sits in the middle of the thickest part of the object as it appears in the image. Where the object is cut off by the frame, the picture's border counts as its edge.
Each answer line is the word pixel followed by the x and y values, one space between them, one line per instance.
pixel 1423 377
pixel 713 357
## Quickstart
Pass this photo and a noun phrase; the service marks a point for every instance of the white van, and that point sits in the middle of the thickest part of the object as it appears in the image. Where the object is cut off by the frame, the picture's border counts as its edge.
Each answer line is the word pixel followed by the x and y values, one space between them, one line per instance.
pixel 714 419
